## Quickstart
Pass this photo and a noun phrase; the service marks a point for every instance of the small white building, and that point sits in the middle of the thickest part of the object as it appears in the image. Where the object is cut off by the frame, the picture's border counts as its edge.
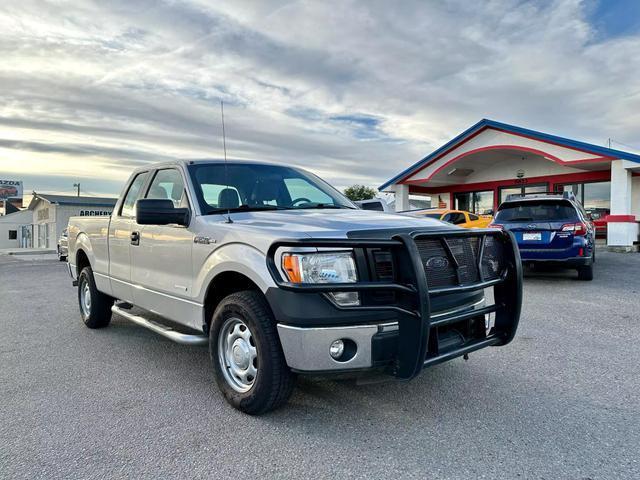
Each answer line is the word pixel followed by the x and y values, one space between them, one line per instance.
pixel 11 228
pixel 50 216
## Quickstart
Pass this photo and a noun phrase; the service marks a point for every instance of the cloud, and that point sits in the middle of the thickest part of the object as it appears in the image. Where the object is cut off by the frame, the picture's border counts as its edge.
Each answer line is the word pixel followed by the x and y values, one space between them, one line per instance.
pixel 353 90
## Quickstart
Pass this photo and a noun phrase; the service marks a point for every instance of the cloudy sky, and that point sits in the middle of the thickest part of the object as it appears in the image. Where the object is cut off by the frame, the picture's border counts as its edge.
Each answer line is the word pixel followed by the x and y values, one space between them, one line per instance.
pixel 353 90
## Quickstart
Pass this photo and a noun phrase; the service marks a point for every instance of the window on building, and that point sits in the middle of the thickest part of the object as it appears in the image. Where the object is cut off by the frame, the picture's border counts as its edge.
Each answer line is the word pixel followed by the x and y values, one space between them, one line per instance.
pixel 538 188
pixel 13 234
pixel 595 197
pixel 475 202
pixel 134 192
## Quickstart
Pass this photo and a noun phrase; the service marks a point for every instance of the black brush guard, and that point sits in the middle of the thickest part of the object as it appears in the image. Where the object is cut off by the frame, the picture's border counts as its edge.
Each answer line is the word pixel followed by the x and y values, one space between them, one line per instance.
pixel 411 285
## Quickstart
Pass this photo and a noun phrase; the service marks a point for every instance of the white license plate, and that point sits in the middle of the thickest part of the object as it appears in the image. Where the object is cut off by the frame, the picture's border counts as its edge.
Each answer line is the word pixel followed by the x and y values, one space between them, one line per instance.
pixel 532 236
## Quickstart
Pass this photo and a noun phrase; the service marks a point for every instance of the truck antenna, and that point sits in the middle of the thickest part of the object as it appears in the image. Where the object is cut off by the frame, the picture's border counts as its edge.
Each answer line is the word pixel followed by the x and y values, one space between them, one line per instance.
pixel 224 147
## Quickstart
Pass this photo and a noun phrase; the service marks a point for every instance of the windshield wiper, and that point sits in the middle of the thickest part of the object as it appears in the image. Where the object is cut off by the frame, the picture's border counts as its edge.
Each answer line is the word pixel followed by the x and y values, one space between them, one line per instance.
pixel 321 205
pixel 245 208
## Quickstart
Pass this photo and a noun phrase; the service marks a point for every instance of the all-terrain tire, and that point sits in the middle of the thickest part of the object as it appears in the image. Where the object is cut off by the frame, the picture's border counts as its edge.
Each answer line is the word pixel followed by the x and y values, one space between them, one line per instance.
pixel 273 382
pixel 95 306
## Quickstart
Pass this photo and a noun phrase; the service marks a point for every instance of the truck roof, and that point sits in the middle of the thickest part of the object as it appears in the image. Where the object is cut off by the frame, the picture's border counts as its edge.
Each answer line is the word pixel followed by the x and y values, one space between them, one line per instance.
pixel 205 161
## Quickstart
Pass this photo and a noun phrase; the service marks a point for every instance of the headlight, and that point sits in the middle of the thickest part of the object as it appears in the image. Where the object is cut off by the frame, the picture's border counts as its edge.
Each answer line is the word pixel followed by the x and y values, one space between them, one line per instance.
pixel 334 267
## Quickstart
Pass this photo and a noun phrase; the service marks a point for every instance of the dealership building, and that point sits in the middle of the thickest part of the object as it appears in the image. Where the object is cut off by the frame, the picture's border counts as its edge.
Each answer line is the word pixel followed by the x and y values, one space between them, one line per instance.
pixel 476 170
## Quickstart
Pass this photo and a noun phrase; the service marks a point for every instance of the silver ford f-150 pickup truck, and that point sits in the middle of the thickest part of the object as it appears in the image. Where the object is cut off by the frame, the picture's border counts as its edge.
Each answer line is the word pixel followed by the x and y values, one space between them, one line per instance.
pixel 281 275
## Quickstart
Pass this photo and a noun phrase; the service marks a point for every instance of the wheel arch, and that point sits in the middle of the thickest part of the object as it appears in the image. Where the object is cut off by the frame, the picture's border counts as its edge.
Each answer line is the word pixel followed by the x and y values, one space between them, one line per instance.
pixel 83 256
pixel 223 284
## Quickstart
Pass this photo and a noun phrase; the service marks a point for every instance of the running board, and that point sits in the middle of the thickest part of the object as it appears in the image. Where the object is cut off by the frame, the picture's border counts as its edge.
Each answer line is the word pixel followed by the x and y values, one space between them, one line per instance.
pixel 168 332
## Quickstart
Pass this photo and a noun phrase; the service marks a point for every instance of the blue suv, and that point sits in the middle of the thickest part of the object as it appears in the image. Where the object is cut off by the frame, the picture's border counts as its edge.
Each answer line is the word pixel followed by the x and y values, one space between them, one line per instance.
pixel 550 228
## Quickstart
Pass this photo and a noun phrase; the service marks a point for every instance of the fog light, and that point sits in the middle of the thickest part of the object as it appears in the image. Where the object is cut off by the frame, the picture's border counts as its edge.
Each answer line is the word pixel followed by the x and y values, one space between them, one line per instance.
pixel 336 349
pixel 346 299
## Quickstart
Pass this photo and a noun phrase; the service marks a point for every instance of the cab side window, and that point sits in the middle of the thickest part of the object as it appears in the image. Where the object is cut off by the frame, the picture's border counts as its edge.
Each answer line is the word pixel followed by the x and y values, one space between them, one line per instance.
pixel 134 192
pixel 167 185
pixel 473 217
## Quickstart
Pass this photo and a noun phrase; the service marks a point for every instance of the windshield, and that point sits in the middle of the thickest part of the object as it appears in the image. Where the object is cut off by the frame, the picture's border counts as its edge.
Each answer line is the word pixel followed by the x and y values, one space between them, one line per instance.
pixel 244 187
pixel 433 215
pixel 528 211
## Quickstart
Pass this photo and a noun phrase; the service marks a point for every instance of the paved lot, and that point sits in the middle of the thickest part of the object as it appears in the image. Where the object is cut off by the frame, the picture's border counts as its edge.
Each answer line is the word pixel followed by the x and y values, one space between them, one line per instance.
pixel 562 401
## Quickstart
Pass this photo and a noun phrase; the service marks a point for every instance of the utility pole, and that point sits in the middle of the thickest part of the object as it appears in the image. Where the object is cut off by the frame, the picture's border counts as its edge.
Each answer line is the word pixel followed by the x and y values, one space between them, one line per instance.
pixel 609 143
pixel 77 185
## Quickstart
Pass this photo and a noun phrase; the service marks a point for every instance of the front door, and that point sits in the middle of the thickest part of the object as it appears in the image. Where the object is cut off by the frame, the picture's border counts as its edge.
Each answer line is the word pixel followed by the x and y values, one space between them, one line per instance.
pixel 161 263
pixel 120 230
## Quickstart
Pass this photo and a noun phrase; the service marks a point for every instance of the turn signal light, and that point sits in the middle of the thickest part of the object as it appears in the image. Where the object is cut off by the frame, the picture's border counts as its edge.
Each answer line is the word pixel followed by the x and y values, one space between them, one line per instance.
pixel 291 265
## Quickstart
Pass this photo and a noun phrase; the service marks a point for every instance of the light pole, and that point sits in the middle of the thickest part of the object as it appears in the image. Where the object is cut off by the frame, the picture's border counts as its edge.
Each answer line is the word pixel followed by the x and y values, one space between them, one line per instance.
pixel 77 185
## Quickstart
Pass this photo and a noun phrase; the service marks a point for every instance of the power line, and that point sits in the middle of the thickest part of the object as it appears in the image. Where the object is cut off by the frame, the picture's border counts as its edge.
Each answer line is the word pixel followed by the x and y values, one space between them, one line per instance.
pixel 623 144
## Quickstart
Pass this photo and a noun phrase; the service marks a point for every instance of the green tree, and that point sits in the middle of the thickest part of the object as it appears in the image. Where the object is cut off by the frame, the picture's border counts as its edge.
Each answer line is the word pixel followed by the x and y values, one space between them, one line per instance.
pixel 359 192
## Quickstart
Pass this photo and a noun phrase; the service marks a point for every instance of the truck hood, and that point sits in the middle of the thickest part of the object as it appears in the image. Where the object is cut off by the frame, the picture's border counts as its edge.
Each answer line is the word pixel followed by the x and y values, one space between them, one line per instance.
pixel 324 223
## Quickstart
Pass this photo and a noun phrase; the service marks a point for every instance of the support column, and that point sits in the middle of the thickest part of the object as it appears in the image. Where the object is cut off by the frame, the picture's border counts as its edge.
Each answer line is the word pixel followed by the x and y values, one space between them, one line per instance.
pixel 622 228
pixel 402 197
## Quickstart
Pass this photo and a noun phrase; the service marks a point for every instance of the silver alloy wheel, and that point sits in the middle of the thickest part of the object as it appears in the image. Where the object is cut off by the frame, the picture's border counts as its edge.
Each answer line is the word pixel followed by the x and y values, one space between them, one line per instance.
pixel 237 355
pixel 85 298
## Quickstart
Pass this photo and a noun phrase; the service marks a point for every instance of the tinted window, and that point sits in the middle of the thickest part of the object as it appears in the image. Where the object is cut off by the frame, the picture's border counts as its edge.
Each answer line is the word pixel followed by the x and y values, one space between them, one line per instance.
pixel 372 206
pixel 258 186
pixel 548 210
pixel 167 184
pixel 433 215
pixel 133 194
pixel 455 218
pixel 458 218
pixel 473 217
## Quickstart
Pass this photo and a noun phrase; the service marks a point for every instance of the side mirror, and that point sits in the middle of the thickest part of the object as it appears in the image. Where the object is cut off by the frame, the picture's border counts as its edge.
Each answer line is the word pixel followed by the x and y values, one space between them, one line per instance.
pixel 152 211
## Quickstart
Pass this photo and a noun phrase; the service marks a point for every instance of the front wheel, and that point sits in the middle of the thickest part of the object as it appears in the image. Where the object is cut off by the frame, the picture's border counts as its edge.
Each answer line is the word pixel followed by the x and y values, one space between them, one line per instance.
pixel 247 358
pixel 95 306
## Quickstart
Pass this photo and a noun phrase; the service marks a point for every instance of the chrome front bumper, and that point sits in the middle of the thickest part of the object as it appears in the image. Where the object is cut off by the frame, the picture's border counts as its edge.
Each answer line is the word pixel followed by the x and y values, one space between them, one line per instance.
pixel 307 349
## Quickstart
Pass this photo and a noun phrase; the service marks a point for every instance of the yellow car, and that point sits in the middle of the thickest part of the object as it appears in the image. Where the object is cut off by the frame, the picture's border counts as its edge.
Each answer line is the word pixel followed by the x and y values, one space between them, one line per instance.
pixel 457 217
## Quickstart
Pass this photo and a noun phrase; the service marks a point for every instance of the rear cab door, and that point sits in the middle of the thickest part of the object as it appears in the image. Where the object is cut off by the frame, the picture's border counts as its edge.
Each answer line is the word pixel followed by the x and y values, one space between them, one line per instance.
pixel 121 228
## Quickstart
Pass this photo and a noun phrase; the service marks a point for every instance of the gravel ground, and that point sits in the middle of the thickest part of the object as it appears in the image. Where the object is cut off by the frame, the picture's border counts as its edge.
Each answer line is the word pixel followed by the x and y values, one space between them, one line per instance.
pixel 561 401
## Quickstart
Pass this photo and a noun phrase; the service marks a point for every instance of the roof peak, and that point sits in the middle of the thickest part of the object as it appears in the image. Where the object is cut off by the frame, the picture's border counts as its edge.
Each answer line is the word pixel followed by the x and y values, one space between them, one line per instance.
pixel 488 123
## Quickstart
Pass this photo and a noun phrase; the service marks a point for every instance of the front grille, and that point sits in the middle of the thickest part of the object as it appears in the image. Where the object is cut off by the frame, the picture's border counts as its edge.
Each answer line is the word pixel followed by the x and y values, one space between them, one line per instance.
pixel 444 271
pixel 383 265
pixel 493 258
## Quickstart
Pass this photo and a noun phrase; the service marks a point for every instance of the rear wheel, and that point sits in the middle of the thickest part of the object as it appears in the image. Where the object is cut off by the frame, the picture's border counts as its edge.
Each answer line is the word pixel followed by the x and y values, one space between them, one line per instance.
pixel 95 306
pixel 585 272
pixel 247 358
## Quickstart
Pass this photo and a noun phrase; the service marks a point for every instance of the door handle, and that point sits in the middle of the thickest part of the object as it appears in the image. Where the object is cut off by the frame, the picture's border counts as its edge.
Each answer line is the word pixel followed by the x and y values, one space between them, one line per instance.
pixel 135 238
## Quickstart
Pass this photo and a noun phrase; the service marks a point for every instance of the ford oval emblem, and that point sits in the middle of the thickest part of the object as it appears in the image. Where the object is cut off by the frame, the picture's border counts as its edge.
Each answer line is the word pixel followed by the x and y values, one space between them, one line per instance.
pixel 437 263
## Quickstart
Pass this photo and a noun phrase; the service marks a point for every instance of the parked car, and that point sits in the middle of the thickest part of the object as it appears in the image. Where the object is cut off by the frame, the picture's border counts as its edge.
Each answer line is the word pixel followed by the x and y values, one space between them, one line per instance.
pixel 63 246
pixel 461 218
pixel 280 274
pixel 377 204
pixel 551 228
